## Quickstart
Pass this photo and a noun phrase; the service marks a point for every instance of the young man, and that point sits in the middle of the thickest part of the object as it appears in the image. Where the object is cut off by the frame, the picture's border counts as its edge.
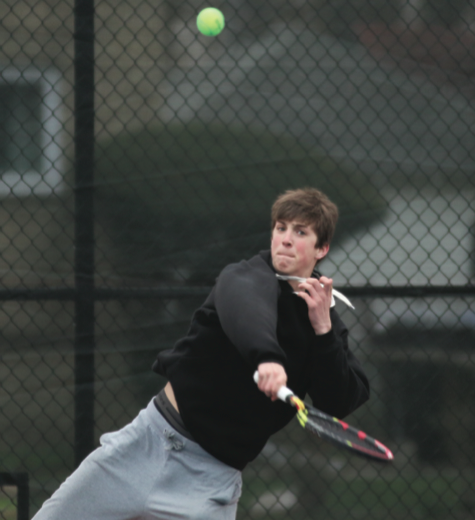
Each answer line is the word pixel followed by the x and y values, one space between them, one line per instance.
pixel 182 457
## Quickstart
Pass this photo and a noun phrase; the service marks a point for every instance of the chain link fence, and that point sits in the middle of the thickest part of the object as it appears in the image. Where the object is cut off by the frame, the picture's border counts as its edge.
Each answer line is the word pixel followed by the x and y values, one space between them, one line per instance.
pixel 138 157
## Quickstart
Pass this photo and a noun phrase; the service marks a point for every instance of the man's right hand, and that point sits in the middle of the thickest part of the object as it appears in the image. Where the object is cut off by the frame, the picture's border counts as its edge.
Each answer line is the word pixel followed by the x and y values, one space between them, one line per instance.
pixel 272 377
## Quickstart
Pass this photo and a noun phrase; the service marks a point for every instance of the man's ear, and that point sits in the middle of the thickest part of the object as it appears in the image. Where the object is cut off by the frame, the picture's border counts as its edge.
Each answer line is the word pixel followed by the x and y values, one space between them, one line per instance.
pixel 321 252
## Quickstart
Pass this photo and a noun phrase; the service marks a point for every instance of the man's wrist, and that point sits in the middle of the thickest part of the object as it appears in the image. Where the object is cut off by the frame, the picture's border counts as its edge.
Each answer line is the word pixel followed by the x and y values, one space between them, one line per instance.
pixel 322 331
pixel 326 342
pixel 322 328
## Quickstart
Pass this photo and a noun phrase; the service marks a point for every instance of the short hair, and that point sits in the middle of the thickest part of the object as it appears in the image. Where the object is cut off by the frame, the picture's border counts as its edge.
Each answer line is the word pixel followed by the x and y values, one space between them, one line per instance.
pixel 309 206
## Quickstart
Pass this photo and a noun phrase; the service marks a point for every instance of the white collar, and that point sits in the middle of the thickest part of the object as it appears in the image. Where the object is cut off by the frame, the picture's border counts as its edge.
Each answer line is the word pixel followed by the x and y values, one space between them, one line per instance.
pixel 335 293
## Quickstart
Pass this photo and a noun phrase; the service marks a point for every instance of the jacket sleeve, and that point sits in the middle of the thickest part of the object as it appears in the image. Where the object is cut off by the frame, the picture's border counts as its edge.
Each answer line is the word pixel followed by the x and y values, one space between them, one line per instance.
pixel 246 297
pixel 338 383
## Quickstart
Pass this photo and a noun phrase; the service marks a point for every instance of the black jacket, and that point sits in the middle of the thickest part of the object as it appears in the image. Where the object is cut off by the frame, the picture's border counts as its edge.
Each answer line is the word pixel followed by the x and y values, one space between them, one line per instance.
pixel 250 317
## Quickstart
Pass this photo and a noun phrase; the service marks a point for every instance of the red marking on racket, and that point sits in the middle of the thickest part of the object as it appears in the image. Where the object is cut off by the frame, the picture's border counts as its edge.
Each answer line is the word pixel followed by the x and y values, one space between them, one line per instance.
pixel 361 435
pixel 388 452
pixel 298 404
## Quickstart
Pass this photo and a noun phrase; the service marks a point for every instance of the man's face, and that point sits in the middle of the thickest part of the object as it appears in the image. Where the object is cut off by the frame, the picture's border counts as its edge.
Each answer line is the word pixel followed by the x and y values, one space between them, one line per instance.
pixel 293 249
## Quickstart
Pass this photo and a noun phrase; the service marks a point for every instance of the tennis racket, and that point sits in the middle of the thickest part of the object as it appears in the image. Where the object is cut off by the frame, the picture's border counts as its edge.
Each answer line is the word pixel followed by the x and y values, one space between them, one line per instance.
pixel 332 429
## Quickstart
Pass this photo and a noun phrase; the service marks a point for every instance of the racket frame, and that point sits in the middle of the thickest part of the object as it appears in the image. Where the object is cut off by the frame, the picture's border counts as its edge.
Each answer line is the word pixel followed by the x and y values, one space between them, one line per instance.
pixel 375 449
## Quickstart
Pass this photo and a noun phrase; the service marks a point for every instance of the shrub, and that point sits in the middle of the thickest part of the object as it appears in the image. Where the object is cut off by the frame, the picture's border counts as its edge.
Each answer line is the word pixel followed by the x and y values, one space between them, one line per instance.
pixel 189 199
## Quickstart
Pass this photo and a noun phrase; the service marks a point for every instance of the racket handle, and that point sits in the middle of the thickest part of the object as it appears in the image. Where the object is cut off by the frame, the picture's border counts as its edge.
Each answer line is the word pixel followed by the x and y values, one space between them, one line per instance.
pixel 283 393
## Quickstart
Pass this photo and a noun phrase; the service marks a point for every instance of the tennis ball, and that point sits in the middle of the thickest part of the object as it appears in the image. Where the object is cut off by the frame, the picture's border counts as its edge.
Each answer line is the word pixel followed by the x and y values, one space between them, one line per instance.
pixel 210 21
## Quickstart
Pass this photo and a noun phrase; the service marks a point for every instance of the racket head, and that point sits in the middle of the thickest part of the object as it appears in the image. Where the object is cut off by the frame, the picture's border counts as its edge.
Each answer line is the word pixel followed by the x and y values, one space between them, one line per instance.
pixel 339 432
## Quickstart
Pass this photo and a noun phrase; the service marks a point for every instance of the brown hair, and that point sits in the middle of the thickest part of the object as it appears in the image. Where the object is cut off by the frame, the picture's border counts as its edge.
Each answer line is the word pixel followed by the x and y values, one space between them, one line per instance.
pixel 309 206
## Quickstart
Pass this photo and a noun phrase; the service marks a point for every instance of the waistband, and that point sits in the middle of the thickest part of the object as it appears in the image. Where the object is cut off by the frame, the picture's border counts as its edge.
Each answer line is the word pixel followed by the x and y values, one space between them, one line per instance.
pixel 158 421
pixel 165 407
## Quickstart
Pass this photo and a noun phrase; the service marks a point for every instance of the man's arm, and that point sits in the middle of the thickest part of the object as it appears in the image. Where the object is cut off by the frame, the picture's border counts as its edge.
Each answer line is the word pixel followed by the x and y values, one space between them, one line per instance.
pixel 246 303
pixel 338 382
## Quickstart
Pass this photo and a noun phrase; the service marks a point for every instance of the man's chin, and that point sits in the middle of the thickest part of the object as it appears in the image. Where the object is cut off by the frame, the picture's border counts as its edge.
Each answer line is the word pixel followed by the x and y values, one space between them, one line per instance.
pixel 283 267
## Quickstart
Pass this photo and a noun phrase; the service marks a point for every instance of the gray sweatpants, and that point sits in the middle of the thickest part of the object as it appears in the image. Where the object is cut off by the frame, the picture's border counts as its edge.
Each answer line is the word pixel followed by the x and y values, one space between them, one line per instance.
pixel 147 470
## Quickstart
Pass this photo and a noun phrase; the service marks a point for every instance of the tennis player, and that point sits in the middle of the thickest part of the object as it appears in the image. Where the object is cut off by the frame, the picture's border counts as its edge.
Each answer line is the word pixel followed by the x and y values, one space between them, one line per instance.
pixel 182 456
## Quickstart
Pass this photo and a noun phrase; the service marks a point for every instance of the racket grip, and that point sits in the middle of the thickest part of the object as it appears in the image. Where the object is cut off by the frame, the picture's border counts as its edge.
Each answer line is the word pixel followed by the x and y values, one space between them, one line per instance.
pixel 283 392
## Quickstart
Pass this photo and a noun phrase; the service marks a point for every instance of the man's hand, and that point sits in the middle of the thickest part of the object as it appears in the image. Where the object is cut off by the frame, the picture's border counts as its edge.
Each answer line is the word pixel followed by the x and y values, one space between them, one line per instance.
pixel 272 376
pixel 319 301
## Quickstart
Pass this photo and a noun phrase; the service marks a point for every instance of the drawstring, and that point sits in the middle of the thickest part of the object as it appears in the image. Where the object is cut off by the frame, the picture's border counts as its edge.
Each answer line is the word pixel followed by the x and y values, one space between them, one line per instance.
pixel 173 442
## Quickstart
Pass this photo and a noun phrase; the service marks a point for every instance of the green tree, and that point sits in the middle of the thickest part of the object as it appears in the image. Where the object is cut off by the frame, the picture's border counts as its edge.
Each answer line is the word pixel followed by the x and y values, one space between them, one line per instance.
pixel 189 199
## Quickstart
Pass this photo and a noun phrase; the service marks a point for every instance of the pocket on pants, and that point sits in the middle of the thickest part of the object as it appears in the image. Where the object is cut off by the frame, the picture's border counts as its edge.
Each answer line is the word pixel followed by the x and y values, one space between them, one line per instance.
pixel 121 440
pixel 230 495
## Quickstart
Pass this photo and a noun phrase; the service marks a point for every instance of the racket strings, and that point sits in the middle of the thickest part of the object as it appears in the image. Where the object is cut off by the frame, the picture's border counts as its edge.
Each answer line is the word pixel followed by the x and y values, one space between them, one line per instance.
pixel 341 429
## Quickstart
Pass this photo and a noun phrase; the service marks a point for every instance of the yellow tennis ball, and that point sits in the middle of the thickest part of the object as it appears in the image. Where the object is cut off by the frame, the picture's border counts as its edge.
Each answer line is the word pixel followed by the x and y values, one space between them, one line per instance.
pixel 210 21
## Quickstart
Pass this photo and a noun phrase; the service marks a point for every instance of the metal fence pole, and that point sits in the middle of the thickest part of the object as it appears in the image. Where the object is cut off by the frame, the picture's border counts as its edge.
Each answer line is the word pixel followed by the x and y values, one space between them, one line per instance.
pixel 84 228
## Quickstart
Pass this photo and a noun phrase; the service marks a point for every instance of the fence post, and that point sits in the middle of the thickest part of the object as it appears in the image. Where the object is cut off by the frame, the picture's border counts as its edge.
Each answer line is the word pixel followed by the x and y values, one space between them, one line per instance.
pixel 84 228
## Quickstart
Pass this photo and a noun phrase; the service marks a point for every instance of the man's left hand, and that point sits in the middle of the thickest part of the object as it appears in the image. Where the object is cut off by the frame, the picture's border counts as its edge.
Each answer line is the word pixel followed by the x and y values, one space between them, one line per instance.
pixel 318 295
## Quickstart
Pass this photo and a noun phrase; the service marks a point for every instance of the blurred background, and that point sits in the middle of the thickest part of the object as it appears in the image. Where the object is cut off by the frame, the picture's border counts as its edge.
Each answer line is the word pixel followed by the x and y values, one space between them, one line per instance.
pixel 138 157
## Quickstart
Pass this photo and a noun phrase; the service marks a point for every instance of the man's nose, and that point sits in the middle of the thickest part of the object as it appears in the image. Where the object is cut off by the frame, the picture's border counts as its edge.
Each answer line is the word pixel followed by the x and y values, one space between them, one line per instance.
pixel 287 238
